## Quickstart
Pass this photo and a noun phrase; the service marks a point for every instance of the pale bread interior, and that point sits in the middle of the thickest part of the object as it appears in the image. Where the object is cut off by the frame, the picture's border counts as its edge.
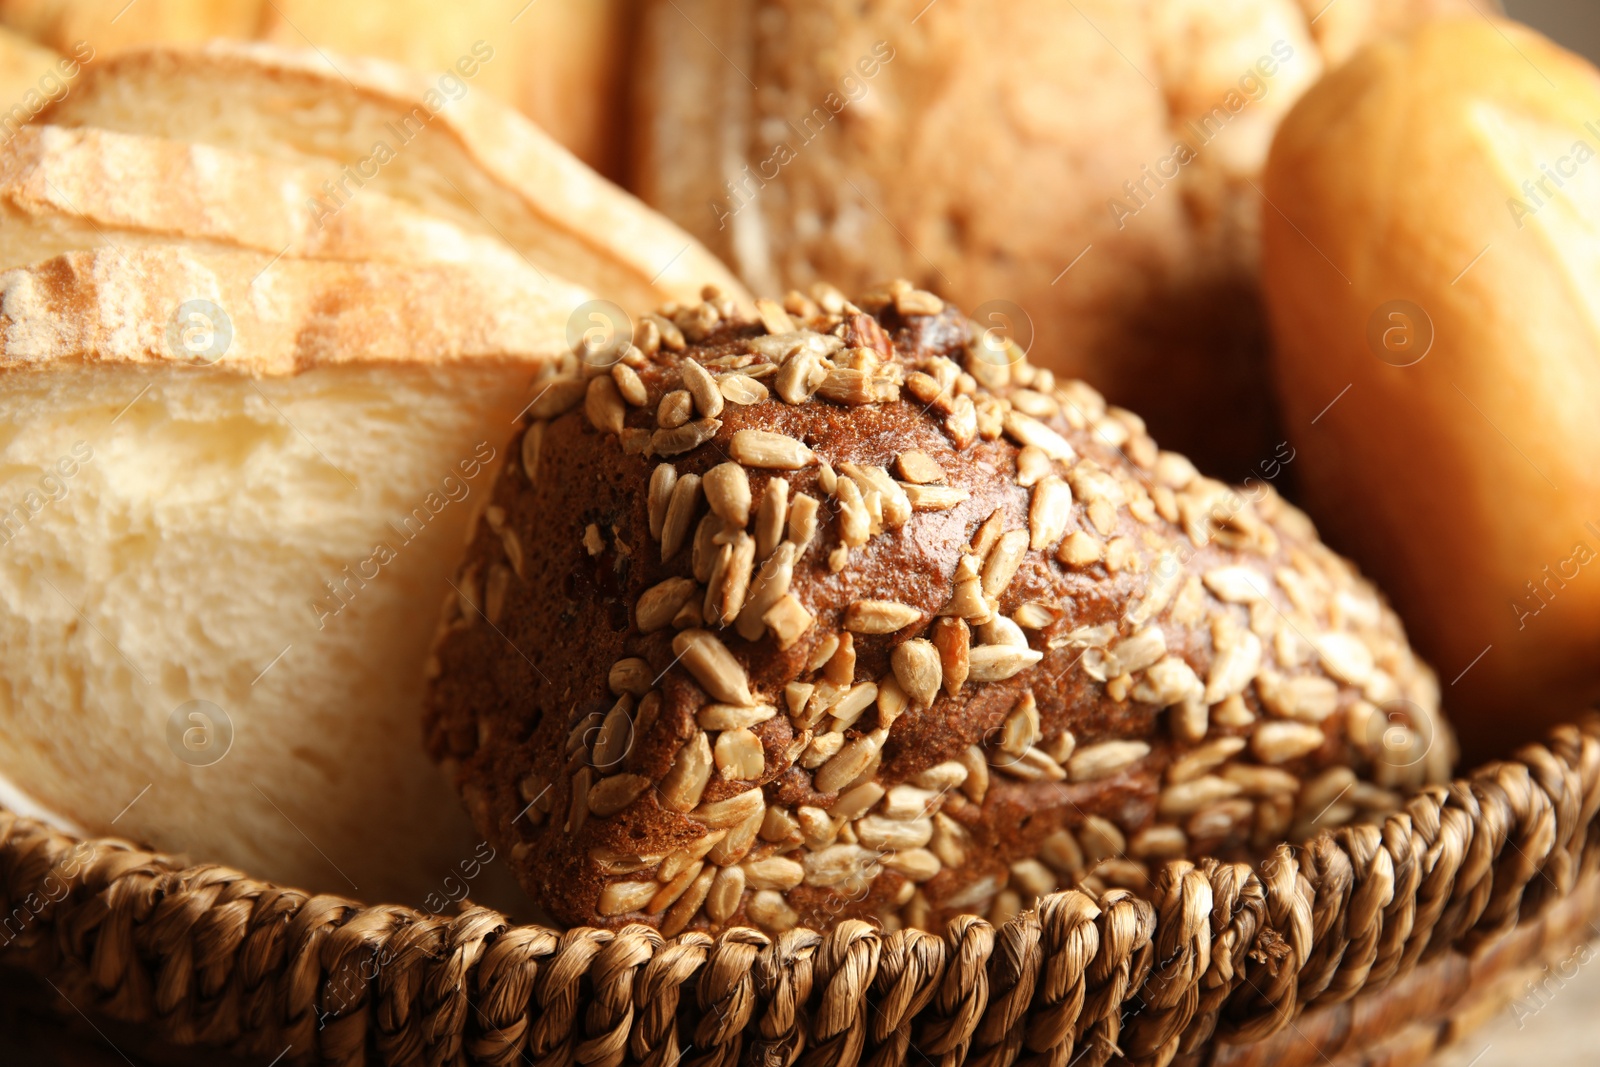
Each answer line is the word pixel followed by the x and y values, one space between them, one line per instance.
pixel 184 558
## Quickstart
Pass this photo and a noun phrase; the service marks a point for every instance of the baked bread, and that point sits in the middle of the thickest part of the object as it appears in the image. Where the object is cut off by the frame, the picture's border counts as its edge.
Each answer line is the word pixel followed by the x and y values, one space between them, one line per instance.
pixel 234 489
pixel 561 64
pixel 1452 316
pixel 982 149
pixel 846 611
pixel 377 127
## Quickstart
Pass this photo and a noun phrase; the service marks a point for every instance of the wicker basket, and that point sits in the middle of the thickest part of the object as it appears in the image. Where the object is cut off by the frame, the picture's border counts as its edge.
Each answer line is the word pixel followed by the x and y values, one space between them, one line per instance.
pixel 1372 945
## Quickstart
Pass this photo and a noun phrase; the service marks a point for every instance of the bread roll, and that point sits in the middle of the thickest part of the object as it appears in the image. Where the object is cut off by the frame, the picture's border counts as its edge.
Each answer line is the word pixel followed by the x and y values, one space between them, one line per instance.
pixel 1087 164
pixel 462 157
pixel 1433 290
pixel 845 612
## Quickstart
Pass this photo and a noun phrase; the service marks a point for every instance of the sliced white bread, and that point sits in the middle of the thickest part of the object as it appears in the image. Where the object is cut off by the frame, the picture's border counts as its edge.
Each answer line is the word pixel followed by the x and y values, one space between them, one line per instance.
pixel 260 513
pixel 66 190
pixel 463 157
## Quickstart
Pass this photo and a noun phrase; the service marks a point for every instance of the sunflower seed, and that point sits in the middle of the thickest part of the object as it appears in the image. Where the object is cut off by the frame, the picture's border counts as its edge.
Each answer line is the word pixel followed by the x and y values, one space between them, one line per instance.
pixel 713 666
pixel 494 593
pixel 1325 789
pixel 780 826
pixel 1049 512
pixel 613 861
pixel 726 594
pixel 1238 659
pixel 950 841
pixel 1032 878
pixel 1345 657
pixel 631 675
pixel 802 520
pixel 1279 742
pixel 686 857
pixel 879 616
pixel 770 451
pixel 702 388
pixel 856 800
pixel 837 863
pixel 1220 820
pixel 915 864
pixel 1000 630
pixel 917 669
pixel 918 467
pixel 739 755
pixel 788 619
pixel 1026 430
pixel 892 700
pixel 532 440
pixel 1237 585
pixel 962 422
pixel 1203 758
pixel 1020 729
pixel 674 409
pixel 858 699
pixel 855 522
pixel 739 841
pixel 1034 765
pixel 630 385
pixel 662 481
pixel 603 405
pixel 1167 682
pixel 742 389
pixel 840 668
pixel 1060 851
pixel 681 507
pixel 769 587
pixel 688 436
pixel 1100 839
pixel 730 812
pixel 876 831
pixel 1003 561
pixel 1092 762
pixel 684 783
pixel 557 397
pixel 615 738
pixel 1159 842
pixel 940 778
pixel 771 516
pixel 1306 697
pixel 619 898
pixel 996 663
pixel 1186 798
pixel 658 604
pixel 871 478
pixel 933 497
pixel 773 317
pixel 953 640
pixel 727 889
pixel 727 490
pixel 799 377
pixel 610 795
pixel 688 905
pixel 768 910
pixel 848 763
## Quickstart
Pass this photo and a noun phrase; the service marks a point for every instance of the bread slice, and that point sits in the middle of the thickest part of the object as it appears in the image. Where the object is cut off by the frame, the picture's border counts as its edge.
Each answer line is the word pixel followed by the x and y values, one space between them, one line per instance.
pixel 65 190
pixel 470 160
pixel 266 526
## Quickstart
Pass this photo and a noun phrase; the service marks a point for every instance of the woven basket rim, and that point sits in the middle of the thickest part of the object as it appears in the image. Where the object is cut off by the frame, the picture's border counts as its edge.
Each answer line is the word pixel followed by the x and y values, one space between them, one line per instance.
pixel 1218 954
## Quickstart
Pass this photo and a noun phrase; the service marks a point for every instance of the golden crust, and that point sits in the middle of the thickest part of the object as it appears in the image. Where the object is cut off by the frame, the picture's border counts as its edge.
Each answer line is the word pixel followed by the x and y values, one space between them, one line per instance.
pixel 284 315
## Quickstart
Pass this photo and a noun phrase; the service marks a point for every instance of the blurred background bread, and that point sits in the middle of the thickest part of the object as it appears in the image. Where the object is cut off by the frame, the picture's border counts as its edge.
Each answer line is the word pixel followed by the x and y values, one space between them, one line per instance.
pixel 1434 281
pixel 248 405
pixel 1089 165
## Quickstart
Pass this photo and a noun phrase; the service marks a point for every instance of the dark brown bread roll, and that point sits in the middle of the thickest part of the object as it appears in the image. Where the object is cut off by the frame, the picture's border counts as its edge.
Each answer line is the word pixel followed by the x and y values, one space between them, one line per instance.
pixel 845 613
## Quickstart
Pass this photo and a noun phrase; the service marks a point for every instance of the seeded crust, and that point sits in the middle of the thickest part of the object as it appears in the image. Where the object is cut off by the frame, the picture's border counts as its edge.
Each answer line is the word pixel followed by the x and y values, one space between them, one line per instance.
pixel 1185 670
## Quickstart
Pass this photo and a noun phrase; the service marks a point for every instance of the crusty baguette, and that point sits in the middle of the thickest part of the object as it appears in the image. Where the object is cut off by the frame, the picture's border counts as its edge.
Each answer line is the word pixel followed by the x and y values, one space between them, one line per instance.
pixel 184 520
pixel 473 161
pixel 951 633
pixel 1434 272
pixel 65 189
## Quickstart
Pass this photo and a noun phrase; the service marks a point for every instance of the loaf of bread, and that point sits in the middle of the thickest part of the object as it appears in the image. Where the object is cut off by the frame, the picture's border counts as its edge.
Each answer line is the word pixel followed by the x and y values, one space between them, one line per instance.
pixel 1433 292
pixel 1084 176
pixel 849 611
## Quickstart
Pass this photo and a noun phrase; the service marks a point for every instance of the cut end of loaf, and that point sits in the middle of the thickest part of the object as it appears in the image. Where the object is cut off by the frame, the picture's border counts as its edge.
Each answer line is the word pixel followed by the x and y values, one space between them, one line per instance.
pixel 218 595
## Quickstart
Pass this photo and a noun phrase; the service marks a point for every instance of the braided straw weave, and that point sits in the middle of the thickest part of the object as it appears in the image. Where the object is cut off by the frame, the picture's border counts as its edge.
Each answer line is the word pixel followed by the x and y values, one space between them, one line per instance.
pixel 1358 949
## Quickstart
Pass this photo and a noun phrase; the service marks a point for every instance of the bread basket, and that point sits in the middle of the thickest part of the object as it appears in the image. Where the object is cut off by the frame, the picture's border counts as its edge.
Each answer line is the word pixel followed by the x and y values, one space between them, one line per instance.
pixel 1370 945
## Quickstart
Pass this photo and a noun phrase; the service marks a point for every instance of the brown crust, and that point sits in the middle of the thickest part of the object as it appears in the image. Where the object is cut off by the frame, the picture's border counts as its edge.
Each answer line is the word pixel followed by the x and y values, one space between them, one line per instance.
pixel 519 702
